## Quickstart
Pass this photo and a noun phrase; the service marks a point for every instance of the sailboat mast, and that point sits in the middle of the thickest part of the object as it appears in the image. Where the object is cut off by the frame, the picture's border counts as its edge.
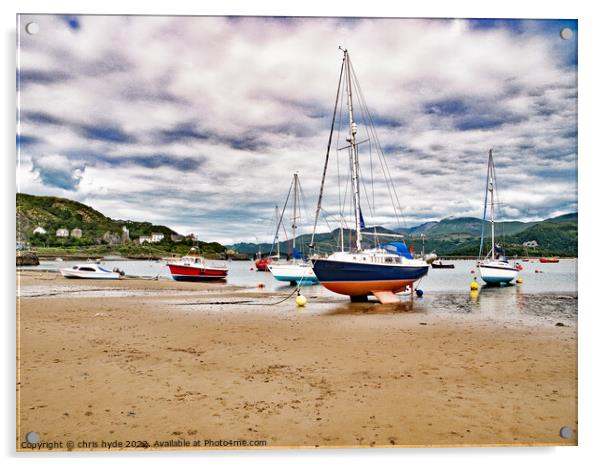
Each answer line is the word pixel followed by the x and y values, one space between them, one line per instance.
pixel 354 157
pixel 276 239
pixel 295 195
pixel 492 205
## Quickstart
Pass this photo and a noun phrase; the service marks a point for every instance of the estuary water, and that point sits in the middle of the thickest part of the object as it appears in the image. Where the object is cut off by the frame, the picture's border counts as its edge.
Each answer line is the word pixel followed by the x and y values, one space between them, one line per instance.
pixel 549 295
pixel 550 278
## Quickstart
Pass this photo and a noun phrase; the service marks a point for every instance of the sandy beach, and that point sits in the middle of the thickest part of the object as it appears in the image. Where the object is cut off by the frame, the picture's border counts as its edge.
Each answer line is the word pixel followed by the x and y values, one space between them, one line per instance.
pixel 169 364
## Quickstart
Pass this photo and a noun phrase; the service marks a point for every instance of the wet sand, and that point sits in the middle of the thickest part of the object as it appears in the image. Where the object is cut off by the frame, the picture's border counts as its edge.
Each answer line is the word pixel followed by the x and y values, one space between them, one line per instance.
pixel 160 361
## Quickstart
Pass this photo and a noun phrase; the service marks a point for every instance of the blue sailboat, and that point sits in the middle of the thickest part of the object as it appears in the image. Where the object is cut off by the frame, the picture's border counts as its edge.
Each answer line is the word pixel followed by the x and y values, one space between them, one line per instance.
pixel 382 271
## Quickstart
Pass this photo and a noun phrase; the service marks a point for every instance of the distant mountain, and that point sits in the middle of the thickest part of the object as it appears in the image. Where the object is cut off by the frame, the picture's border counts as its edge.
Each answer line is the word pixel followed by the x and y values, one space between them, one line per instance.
pixel 453 237
pixel 462 227
pixel 324 242
pixel 563 218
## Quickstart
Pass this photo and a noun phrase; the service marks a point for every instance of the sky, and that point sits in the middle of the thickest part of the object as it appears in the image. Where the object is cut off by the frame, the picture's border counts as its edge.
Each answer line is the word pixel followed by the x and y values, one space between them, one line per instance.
pixel 198 123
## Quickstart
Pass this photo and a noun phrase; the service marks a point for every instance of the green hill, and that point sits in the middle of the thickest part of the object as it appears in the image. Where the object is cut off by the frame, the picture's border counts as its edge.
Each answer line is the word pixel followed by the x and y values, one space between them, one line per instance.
pixel 100 234
pixel 53 213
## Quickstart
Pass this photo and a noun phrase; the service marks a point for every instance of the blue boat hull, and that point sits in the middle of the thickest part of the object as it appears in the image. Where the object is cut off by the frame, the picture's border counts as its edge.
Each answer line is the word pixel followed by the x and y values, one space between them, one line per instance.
pixel 358 279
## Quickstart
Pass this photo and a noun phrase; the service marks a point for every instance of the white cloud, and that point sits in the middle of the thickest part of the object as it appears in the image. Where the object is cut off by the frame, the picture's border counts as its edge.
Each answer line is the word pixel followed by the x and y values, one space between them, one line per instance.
pixel 199 122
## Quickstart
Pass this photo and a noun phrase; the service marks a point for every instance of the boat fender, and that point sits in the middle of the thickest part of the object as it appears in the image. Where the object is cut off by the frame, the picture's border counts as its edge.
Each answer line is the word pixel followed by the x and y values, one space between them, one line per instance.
pixel 519 280
pixel 260 285
pixel 474 286
pixel 419 293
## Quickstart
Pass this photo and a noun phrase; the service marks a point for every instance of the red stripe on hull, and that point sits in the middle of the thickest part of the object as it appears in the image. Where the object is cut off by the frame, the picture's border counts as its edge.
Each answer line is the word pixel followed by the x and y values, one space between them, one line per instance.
pixel 366 288
pixel 197 272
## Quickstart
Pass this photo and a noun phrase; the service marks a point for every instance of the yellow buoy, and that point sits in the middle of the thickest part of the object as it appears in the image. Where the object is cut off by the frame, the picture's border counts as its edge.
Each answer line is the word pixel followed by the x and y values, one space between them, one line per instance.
pixel 301 300
pixel 519 280
pixel 474 286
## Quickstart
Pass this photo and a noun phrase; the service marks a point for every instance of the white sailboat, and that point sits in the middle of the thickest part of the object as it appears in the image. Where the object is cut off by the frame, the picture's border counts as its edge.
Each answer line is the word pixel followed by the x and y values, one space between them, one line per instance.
pixel 494 268
pixel 297 270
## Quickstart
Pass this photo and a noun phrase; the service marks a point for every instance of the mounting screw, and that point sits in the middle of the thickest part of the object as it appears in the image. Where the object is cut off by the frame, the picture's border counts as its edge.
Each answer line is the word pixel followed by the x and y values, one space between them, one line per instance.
pixel 32 28
pixel 566 33
pixel 566 432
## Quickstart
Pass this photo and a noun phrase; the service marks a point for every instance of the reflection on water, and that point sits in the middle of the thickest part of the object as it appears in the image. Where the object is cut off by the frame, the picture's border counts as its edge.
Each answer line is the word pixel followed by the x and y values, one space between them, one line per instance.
pixel 497 303
pixel 373 307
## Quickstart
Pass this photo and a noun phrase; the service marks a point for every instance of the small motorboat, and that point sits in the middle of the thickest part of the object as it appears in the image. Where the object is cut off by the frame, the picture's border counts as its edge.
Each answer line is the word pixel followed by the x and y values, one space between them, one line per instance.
pixel 91 271
pixel 194 268
pixel 440 265
pixel 549 260
pixel 262 264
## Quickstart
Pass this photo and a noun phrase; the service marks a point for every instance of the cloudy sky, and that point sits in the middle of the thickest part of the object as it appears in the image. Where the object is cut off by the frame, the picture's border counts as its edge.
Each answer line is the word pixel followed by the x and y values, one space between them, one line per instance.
pixel 199 122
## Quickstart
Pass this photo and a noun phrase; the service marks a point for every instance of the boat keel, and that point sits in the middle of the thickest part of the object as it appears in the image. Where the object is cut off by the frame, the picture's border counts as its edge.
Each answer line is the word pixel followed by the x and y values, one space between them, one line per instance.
pixel 386 297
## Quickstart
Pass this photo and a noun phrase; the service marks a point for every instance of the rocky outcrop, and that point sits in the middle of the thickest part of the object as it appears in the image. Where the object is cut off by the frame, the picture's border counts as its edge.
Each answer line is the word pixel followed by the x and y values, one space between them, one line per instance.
pixel 27 258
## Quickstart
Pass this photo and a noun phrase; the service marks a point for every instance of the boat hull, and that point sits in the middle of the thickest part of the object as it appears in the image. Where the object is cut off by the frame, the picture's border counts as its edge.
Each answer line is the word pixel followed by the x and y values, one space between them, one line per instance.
pixel 548 260
pixel 443 266
pixel 77 274
pixel 183 273
pixel 496 275
pixel 360 279
pixel 262 264
pixel 294 273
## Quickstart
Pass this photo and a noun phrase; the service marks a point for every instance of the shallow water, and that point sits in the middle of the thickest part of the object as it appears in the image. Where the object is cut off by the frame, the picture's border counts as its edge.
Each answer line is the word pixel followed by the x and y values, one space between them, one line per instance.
pixel 551 294
pixel 558 278
pixel 508 304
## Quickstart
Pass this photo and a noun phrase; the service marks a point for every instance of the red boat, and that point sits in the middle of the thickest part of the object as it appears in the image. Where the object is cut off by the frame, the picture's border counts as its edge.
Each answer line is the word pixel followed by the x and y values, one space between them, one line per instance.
pixel 549 260
pixel 193 268
pixel 262 264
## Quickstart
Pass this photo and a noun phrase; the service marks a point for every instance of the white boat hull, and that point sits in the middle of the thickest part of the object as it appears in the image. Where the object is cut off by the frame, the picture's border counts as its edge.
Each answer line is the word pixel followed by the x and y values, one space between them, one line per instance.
pixel 497 272
pixel 90 274
pixel 293 272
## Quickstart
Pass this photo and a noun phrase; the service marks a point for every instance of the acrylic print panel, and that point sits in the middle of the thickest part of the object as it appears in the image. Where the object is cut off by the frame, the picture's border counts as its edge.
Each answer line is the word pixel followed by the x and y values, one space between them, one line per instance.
pixel 256 232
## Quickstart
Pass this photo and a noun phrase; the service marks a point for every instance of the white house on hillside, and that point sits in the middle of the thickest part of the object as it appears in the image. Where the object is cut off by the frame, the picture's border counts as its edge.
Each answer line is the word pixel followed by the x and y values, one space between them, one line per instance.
pixel 39 231
pixel 153 238
pixel 157 237
pixel 62 233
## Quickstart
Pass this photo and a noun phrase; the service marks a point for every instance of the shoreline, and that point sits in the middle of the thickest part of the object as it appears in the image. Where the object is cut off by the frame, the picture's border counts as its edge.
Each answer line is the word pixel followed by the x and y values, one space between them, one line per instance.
pixel 162 367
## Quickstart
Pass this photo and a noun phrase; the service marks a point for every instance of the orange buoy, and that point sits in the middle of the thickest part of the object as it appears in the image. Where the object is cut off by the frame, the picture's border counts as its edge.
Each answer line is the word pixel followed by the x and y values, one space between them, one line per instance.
pixel 260 285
